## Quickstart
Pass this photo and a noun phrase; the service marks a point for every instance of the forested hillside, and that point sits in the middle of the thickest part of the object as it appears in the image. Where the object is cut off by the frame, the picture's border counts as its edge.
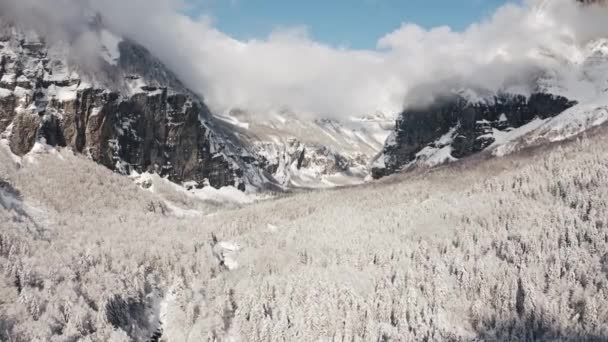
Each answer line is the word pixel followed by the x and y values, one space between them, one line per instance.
pixel 508 249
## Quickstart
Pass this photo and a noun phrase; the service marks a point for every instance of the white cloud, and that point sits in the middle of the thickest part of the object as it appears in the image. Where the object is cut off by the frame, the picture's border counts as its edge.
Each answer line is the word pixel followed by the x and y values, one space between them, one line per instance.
pixel 288 69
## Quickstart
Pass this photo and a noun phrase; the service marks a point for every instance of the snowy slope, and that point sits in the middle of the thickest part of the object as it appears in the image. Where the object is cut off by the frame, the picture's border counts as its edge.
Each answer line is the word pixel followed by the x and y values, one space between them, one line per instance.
pixel 584 80
pixel 300 151
pixel 511 250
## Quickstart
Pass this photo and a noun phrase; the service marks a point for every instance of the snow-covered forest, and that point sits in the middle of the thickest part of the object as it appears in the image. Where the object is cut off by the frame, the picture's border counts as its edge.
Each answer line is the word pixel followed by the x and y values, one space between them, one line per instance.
pixel 507 249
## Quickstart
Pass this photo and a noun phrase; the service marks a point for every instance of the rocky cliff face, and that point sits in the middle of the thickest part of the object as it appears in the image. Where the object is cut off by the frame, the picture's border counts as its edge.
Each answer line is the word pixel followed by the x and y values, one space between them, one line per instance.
pixel 132 114
pixel 571 96
pixel 454 127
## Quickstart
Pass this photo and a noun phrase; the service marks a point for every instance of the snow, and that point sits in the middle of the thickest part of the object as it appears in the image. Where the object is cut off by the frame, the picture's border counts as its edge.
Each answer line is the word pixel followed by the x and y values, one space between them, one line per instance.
pixel 272 228
pixel 5 93
pixel 95 111
pixel 571 122
pixel 447 138
pixel 182 202
pixel 281 137
pixel 575 120
pixel 227 252
pixel 110 47
pixel 341 263
pixel 314 179
pixel 41 148
pixel 190 184
pixel 230 262
pixel 378 140
pixel 439 153
pixel 22 92
pixel 156 92
pixel 60 73
pixel 280 118
pixel 63 94
pixel 224 195
pixel 233 121
pixel 330 136
pixel 430 156
pixel 379 161
pixel 228 246
pixel 135 85
pixel 8 79
pixel 502 138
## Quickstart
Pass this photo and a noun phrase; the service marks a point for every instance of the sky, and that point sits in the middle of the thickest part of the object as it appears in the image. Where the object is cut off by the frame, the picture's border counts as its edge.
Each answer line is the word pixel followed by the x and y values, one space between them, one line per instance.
pixel 355 24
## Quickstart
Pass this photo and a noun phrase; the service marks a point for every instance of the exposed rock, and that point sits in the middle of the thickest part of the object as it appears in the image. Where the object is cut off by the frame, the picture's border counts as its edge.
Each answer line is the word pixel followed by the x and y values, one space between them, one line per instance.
pixel 132 114
pixel 7 111
pixel 23 133
pixel 461 127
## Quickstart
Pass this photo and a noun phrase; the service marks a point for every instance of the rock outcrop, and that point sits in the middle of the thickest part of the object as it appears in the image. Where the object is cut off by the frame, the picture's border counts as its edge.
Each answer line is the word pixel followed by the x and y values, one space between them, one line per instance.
pixel 454 127
pixel 132 114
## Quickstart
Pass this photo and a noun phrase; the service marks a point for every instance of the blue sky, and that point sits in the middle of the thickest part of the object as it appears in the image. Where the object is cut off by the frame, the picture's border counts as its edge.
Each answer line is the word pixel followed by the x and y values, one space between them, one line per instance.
pixel 347 23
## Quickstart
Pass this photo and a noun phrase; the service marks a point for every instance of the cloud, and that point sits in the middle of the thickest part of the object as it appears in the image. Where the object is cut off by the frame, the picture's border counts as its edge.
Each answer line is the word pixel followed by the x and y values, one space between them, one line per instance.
pixel 289 70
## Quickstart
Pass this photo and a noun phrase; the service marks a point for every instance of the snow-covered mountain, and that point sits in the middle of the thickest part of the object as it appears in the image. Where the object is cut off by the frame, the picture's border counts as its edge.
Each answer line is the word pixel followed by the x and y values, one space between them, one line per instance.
pixel 312 153
pixel 127 111
pixel 570 96
pixel 118 105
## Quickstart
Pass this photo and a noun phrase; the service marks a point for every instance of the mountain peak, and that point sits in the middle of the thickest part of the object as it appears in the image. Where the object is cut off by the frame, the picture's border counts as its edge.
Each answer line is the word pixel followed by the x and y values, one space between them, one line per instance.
pixel 130 114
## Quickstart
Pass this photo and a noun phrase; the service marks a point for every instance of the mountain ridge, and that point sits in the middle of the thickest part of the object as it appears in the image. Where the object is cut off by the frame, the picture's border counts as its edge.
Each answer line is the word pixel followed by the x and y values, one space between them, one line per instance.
pixel 132 115
pixel 568 97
